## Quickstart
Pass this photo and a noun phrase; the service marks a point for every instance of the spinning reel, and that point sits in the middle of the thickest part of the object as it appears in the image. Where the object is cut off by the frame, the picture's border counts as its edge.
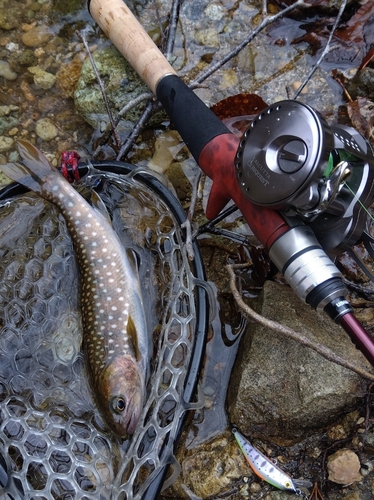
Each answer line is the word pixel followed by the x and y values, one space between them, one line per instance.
pixel 317 176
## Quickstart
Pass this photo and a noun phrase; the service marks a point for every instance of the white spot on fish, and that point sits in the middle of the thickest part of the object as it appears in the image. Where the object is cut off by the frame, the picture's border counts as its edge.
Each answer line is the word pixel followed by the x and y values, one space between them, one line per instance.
pixel 55 187
pixel 94 244
pixel 108 298
pixel 114 308
pixel 78 213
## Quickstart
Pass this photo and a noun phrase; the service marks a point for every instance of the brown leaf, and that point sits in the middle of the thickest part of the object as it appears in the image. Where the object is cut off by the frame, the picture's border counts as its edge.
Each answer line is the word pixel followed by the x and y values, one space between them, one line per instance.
pixel 361 113
pixel 237 111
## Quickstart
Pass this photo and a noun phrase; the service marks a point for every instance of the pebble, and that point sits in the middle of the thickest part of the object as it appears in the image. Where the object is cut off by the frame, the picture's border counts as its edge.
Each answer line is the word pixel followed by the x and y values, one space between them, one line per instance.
pixel 6 110
pixel 344 467
pixel 296 85
pixel 6 143
pixel 36 36
pixel 46 129
pixel 6 71
pixel 42 79
pixel 12 47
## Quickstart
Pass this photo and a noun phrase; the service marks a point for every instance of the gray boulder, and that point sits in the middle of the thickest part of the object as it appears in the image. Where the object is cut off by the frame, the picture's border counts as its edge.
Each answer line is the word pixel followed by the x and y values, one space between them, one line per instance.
pixel 283 391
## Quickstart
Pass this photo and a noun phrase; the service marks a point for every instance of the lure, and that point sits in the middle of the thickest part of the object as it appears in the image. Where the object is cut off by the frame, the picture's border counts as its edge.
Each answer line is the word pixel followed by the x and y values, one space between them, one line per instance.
pixel 264 467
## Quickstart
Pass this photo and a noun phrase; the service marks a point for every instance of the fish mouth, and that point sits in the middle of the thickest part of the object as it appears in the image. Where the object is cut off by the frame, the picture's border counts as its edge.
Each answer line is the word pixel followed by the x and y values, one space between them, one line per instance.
pixel 132 424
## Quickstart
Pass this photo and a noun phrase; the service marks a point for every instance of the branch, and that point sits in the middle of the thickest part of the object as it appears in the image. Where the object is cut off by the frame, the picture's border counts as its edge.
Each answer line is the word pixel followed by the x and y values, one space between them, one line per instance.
pixel 326 50
pixel 101 85
pixel 289 332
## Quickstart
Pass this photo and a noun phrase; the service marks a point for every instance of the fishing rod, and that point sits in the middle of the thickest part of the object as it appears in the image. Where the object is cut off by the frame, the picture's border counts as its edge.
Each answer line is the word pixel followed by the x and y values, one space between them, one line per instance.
pixel 303 187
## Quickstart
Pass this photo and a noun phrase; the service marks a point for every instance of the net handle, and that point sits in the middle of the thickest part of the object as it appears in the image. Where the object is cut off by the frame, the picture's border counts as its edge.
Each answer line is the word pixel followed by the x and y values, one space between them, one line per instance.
pixel 120 25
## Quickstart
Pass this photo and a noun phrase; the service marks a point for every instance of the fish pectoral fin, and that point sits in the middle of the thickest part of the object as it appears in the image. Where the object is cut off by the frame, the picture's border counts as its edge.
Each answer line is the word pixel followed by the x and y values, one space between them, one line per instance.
pixel 98 203
pixel 134 259
pixel 133 337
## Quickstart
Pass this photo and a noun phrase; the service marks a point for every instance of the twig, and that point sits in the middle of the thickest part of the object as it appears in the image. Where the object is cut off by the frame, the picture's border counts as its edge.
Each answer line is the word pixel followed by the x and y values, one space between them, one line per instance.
pixel 316 493
pixel 130 139
pixel 265 22
pixel 101 85
pixel 289 332
pixel 134 102
pixel 174 16
pixel 264 8
pixel 325 50
pixel 187 223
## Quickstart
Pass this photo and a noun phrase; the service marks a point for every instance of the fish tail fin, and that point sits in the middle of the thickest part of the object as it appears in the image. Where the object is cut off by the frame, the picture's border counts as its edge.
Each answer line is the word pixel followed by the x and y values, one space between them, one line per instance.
pixel 34 170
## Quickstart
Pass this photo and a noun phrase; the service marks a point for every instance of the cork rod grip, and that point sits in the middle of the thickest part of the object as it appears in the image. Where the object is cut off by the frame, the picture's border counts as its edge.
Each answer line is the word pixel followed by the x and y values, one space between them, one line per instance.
pixel 127 34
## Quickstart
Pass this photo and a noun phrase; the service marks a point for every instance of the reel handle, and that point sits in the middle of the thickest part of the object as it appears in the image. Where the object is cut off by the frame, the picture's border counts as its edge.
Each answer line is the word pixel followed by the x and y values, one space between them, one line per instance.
pixel 120 25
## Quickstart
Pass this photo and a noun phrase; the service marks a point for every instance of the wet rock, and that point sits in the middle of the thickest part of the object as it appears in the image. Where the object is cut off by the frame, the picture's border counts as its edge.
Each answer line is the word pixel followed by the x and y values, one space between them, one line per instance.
pixel 42 79
pixel 210 469
pixel 6 71
pixel 46 129
pixel 283 390
pixel 6 143
pixel 25 58
pixel 37 36
pixel 344 467
pixel 7 123
pixel 68 76
pixel 362 84
pixel 8 17
pixel 121 83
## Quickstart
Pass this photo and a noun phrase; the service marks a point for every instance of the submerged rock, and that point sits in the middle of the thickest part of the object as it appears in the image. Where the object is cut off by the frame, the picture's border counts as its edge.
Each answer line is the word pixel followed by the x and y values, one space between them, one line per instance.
pixel 282 390
pixel 121 83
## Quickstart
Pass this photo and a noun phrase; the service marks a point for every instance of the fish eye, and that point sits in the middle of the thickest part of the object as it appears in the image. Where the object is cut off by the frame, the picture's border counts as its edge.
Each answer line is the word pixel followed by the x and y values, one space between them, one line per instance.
pixel 118 404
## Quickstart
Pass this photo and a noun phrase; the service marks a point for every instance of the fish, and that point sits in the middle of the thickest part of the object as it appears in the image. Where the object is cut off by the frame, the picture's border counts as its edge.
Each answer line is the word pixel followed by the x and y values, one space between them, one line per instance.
pixel 115 338
pixel 264 467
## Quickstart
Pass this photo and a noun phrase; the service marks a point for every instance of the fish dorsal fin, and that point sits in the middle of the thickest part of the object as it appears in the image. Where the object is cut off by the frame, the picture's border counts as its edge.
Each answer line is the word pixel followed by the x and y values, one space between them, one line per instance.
pixel 98 203
pixel 133 337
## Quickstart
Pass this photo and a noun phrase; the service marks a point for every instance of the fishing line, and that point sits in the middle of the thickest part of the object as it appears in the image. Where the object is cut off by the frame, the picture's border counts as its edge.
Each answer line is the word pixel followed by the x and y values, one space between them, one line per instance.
pixel 356 197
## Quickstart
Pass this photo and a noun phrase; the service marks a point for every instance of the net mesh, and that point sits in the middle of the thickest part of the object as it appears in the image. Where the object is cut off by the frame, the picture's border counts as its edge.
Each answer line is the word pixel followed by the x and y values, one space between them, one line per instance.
pixel 51 435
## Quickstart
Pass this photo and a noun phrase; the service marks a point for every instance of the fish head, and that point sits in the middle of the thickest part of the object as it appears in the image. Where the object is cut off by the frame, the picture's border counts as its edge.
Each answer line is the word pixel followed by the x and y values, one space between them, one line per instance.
pixel 121 395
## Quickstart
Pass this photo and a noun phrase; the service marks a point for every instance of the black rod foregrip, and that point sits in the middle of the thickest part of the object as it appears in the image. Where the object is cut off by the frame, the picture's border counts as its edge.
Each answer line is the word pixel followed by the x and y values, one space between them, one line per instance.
pixel 195 122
